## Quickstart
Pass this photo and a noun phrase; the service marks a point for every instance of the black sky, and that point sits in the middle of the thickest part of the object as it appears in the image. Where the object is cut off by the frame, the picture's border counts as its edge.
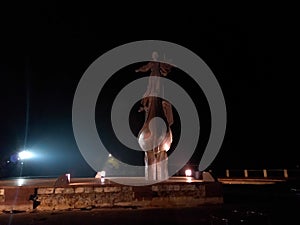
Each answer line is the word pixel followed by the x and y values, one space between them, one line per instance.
pixel 44 54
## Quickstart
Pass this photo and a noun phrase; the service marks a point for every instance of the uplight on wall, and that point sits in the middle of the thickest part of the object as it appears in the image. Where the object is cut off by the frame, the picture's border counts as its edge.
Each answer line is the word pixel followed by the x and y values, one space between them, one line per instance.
pixel 188 174
pixel 69 177
pixel 101 175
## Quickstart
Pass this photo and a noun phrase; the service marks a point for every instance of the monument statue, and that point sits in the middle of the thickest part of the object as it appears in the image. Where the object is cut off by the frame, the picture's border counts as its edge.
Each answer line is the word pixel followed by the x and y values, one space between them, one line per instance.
pixel 155 137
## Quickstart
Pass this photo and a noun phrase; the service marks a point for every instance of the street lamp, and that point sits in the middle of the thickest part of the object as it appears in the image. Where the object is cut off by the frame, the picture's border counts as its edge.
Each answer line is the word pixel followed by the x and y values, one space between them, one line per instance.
pixel 25 155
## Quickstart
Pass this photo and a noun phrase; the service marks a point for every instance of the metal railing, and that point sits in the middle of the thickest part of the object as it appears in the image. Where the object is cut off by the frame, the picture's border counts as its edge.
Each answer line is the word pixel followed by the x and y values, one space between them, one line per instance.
pixel 262 173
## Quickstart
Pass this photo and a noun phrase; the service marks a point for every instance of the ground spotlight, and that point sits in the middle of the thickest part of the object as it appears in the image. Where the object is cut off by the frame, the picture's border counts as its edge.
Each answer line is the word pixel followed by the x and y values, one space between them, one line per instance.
pixel 188 173
pixel 20 182
pixel 101 175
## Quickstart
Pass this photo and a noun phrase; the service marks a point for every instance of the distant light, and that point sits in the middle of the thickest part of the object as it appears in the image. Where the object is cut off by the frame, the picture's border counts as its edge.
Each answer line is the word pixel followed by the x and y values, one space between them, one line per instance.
pixel 7 161
pixel 109 155
pixel 25 155
pixel 188 172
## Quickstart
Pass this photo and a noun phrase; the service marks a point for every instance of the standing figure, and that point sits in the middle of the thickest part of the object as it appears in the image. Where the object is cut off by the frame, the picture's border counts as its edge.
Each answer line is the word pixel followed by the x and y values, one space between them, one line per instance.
pixel 155 137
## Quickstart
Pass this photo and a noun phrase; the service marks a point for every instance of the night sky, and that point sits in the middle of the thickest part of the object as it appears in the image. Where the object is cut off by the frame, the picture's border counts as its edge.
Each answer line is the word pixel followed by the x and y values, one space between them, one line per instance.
pixel 43 56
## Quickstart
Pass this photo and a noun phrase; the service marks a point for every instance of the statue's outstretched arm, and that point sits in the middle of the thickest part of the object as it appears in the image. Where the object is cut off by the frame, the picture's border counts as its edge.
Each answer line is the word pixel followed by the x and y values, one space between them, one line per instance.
pixel 144 68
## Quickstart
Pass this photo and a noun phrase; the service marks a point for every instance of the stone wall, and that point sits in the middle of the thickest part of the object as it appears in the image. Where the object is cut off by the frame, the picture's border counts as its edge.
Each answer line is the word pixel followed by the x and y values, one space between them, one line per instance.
pixel 99 196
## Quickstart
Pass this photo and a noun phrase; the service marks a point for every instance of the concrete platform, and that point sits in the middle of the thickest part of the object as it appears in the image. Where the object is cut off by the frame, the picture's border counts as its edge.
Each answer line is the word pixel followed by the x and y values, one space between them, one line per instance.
pixel 86 193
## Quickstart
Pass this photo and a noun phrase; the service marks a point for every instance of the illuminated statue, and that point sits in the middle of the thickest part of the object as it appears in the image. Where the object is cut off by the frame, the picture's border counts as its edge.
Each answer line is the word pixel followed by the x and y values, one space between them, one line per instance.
pixel 155 137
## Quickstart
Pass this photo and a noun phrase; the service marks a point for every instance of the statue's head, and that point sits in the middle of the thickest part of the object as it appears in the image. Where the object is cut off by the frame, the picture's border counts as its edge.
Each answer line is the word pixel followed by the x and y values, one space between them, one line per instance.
pixel 154 56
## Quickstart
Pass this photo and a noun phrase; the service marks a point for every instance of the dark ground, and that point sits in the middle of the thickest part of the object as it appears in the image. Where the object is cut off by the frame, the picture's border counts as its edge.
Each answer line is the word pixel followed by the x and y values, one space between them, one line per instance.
pixel 253 204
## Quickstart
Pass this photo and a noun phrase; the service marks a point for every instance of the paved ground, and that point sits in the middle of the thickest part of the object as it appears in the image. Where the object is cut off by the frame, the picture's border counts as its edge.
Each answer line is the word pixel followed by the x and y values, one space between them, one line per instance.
pixel 111 216
pixel 259 214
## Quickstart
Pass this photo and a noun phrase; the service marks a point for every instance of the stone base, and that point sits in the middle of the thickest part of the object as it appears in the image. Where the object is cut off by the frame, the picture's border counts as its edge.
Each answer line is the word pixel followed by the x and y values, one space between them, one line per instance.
pixel 111 194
